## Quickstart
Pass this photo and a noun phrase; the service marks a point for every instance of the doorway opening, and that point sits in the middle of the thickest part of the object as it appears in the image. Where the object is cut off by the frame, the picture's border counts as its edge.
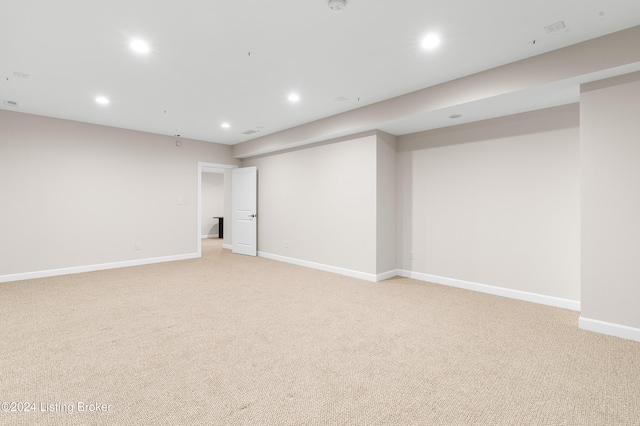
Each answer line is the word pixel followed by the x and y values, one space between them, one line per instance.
pixel 218 178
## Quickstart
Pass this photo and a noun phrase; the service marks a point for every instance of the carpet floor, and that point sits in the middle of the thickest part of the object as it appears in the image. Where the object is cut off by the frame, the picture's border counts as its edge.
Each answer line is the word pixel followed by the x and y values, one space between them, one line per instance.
pixel 233 340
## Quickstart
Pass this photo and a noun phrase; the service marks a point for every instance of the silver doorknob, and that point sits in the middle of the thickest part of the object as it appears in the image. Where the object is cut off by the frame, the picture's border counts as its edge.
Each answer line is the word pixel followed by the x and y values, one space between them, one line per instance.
pixel 253 215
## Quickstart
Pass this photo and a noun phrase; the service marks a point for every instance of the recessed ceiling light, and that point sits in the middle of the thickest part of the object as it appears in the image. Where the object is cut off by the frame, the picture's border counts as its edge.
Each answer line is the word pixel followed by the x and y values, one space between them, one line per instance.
pixel 102 100
pixel 294 97
pixel 225 125
pixel 431 41
pixel 139 46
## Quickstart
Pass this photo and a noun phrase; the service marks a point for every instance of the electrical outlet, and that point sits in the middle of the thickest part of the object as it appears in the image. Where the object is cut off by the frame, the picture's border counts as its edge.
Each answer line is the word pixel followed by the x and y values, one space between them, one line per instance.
pixel 286 244
pixel 138 247
pixel 413 256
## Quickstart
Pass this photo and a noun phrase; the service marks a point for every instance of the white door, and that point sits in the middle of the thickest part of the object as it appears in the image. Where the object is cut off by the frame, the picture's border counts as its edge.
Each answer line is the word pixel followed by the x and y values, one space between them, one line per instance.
pixel 244 215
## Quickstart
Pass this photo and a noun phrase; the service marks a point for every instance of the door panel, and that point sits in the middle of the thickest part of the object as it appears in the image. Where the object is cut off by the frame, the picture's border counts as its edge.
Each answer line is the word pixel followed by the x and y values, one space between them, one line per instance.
pixel 244 205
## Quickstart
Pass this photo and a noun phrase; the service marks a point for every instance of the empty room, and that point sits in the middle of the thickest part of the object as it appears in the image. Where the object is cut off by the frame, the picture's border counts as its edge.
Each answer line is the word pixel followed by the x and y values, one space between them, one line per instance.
pixel 322 212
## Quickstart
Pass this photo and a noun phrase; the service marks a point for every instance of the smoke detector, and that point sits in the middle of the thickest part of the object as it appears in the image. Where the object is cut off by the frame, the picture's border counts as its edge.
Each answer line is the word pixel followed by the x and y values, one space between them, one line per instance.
pixel 337 4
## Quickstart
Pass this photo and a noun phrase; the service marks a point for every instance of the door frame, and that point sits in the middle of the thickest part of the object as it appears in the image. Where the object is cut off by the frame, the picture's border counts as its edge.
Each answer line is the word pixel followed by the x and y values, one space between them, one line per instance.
pixel 204 167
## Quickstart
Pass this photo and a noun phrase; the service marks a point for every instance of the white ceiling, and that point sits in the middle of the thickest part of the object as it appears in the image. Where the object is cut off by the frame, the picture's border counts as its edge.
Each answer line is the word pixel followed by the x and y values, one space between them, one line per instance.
pixel 237 61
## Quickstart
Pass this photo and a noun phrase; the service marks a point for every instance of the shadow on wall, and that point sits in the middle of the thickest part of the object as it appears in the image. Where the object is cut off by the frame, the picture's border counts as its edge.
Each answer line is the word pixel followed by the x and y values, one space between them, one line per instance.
pixel 213 232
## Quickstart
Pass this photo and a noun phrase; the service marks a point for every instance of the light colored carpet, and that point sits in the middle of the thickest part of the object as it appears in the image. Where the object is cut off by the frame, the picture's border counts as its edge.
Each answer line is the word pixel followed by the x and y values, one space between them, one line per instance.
pixel 232 340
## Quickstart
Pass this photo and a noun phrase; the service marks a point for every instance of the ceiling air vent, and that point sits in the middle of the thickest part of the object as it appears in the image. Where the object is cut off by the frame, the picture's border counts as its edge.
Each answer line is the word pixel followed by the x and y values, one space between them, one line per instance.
pixel 554 28
pixel 250 132
pixel 13 104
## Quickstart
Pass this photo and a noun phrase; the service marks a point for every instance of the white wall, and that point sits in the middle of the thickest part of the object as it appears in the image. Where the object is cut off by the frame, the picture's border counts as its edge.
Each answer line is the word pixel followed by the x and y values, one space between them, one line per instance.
pixel 212 196
pixel 386 199
pixel 77 194
pixel 318 204
pixel 228 211
pixel 610 177
pixel 494 203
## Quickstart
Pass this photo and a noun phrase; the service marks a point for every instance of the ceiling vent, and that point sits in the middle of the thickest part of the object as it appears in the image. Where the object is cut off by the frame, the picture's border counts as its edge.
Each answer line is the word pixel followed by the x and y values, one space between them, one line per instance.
pixel 554 28
pixel 13 104
pixel 250 132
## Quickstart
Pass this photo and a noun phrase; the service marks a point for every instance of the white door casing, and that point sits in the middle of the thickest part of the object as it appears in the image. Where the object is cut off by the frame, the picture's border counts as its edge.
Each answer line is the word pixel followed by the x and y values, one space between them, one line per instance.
pixel 244 200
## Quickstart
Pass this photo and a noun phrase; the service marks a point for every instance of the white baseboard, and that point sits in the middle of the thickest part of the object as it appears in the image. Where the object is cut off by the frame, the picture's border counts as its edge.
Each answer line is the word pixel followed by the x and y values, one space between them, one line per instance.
pixel 209 236
pixel 328 268
pixel 558 302
pixel 386 275
pixel 227 246
pixel 92 268
pixel 609 328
